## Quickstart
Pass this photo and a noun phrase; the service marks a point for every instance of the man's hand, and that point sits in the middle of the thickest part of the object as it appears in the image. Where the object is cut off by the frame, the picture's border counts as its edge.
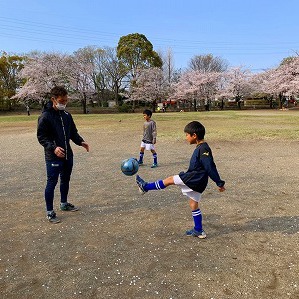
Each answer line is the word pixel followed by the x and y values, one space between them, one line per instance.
pixel 59 152
pixel 85 145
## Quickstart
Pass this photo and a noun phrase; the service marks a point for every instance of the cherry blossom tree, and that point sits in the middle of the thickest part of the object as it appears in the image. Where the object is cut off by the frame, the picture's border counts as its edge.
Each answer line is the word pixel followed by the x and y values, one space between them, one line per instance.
pixel 199 88
pixel 261 87
pixel 236 84
pixel 280 82
pixel 285 78
pixel 42 71
pixel 149 85
pixel 293 72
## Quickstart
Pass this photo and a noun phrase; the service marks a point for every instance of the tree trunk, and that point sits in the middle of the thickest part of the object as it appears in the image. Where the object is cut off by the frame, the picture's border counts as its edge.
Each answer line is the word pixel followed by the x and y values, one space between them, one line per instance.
pixel 116 95
pixel 280 100
pixel 84 104
pixel 154 105
pixel 194 103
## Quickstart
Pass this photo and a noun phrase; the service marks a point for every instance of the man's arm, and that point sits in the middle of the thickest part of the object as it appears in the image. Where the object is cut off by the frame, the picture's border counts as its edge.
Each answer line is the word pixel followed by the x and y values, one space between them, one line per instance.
pixel 44 134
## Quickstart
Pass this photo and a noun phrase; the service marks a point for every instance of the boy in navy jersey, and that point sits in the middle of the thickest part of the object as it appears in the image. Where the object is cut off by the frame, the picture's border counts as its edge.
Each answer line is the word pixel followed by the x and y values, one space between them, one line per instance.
pixel 194 181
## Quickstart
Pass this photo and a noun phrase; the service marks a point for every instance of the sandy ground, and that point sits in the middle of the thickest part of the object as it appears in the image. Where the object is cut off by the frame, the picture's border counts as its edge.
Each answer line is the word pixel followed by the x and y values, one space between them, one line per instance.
pixel 125 245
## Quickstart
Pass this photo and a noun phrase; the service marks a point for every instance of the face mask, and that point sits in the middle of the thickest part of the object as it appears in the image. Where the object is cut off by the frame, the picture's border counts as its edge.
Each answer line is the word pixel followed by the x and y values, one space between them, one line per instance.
pixel 60 106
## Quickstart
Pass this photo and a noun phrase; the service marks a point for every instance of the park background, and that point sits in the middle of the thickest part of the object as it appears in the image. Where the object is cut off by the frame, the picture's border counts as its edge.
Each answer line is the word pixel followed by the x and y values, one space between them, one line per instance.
pixel 125 245
pixel 121 244
pixel 193 56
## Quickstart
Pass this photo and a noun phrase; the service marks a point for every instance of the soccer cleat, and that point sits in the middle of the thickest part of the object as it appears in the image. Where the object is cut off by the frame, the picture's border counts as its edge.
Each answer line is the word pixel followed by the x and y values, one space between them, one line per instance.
pixel 68 207
pixel 194 233
pixel 141 184
pixel 154 165
pixel 140 162
pixel 52 218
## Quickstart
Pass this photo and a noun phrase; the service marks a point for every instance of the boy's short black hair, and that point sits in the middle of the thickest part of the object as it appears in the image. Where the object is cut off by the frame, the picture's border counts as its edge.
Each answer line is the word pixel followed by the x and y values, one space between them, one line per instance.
pixel 58 91
pixel 148 112
pixel 195 127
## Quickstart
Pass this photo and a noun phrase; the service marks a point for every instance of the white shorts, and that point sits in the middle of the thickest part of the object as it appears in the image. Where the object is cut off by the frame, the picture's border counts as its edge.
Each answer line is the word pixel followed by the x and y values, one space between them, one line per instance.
pixel 147 146
pixel 196 196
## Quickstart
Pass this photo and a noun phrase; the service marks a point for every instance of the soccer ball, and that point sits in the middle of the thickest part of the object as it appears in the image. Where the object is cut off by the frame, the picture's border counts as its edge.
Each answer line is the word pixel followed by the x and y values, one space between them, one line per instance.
pixel 129 166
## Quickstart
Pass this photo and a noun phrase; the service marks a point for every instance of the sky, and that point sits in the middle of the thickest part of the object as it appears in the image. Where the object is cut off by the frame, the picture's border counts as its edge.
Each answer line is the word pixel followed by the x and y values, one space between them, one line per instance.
pixel 254 34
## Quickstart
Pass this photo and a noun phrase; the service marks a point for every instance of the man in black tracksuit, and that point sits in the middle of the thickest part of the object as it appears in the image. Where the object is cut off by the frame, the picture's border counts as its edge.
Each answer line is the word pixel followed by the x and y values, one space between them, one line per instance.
pixel 55 129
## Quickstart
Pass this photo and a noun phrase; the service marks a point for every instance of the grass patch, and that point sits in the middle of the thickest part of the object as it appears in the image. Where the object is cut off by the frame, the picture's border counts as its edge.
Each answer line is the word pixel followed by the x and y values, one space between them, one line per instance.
pixel 220 125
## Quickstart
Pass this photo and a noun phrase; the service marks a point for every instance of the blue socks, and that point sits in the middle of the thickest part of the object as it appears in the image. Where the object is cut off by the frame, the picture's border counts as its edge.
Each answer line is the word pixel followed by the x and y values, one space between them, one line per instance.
pixel 141 154
pixel 155 157
pixel 158 185
pixel 197 218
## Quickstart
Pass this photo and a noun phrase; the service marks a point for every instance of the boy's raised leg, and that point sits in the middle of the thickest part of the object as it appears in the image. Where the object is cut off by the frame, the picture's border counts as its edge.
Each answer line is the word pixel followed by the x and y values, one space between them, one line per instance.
pixel 144 186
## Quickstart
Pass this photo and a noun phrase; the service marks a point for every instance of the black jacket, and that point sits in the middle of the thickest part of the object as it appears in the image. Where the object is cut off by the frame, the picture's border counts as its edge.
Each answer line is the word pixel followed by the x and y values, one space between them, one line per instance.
pixel 201 167
pixel 57 128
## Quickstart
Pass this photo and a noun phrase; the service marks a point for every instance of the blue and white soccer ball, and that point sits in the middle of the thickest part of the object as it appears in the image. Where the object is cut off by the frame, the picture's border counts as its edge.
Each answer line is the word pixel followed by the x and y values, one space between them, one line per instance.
pixel 129 166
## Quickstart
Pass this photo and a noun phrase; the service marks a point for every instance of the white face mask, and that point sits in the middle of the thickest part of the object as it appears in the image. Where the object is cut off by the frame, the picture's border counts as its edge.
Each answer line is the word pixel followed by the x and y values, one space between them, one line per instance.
pixel 60 106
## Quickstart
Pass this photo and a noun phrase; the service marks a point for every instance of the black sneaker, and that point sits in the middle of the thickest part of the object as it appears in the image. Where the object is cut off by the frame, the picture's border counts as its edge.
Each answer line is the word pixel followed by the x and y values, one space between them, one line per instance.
pixel 68 207
pixel 141 183
pixel 52 218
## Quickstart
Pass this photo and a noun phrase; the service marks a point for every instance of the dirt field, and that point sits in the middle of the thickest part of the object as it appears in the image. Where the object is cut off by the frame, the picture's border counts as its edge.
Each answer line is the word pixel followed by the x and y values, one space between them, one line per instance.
pixel 125 245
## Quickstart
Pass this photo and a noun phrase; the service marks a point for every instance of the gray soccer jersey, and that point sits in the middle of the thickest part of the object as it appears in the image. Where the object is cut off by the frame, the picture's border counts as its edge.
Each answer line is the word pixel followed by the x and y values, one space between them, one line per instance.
pixel 149 131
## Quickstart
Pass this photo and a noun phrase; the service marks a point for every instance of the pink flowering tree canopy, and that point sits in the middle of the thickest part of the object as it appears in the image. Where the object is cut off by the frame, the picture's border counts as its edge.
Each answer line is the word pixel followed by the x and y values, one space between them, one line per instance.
pixel 197 87
pixel 42 71
pixel 236 84
pixel 149 85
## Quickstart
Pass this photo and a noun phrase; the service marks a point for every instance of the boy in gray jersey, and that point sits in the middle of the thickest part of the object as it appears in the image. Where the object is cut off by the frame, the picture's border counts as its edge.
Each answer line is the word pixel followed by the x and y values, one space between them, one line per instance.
pixel 149 138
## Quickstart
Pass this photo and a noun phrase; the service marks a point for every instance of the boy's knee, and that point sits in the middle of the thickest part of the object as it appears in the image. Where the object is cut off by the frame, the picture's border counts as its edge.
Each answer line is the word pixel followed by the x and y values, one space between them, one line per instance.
pixel 193 204
pixel 168 181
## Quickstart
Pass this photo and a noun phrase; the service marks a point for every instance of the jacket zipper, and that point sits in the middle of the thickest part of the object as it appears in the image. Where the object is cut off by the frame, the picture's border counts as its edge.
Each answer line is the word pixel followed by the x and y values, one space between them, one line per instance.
pixel 63 129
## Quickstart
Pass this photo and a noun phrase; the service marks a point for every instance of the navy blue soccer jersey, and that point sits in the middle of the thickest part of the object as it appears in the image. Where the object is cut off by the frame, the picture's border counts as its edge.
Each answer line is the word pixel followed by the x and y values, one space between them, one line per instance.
pixel 201 167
